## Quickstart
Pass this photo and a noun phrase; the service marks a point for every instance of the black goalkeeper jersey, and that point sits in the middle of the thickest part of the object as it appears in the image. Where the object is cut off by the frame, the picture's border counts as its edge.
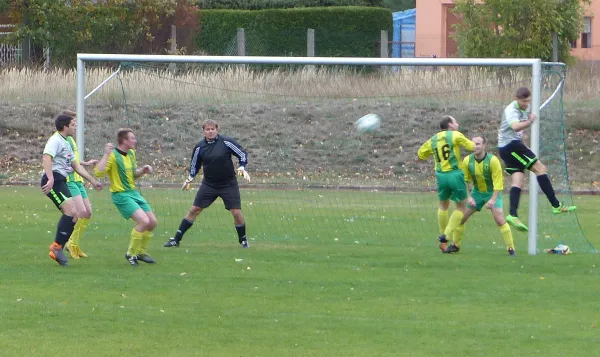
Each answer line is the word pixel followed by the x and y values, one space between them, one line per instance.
pixel 215 159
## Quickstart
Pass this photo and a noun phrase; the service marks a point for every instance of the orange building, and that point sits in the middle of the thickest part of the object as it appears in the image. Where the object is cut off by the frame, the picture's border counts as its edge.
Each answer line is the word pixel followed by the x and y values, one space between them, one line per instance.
pixel 434 30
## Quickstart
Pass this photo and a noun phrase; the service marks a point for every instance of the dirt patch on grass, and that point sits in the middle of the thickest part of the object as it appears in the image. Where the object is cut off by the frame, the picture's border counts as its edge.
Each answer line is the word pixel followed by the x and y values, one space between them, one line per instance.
pixel 288 143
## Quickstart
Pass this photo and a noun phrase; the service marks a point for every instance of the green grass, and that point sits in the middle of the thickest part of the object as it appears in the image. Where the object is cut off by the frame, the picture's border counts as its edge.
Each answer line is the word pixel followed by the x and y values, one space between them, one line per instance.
pixel 373 292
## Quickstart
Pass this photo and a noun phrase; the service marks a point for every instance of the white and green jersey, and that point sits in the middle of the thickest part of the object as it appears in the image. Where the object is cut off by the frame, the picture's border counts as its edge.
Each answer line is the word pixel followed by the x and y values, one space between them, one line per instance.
pixel 512 114
pixel 62 154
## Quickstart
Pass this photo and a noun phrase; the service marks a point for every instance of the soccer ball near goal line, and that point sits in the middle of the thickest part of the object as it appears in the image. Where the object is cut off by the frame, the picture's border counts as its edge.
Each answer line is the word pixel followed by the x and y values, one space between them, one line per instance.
pixel 368 123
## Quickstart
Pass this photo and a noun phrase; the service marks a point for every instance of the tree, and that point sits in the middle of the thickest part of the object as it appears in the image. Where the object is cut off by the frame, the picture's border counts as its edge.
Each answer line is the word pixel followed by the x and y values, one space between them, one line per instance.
pixel 518 29
pixel 399 5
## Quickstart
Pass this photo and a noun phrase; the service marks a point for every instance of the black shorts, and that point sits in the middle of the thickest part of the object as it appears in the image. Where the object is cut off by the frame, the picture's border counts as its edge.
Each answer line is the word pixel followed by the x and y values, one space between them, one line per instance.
pixel 59 193
pixel 229 193
pixel 517 157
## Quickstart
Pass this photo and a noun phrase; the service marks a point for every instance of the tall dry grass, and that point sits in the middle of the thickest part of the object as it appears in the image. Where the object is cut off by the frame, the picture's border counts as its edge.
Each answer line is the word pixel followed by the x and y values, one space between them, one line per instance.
pixel 155 85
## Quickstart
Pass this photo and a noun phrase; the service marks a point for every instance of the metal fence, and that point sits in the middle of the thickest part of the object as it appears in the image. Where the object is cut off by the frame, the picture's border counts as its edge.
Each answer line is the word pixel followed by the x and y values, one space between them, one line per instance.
pixel 9 54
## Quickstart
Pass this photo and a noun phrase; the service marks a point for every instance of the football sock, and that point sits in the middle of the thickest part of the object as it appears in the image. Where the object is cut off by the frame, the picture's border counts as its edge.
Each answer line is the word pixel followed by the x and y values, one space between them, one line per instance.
pixel 64 229
pixel 146 237
pixel 79 229
pixel 515 196
pixel 183 227
pixel 454 222
pixel 241 231
pixel 546 186
pixel 459 232
pixel 507 235
pixel 442 220
pixel 135 242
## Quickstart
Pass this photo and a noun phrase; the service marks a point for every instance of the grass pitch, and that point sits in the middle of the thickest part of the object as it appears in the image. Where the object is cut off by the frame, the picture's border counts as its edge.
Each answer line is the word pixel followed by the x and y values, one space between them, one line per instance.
pixel 360 295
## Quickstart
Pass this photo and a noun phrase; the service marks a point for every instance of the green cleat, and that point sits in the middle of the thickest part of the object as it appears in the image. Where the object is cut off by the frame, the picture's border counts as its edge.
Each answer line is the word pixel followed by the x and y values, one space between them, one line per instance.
pixel 563 208
pixel 516 222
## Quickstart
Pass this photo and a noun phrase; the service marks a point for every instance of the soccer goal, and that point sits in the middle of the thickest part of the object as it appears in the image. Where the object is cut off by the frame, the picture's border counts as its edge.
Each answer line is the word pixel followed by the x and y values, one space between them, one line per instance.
pixel 314 179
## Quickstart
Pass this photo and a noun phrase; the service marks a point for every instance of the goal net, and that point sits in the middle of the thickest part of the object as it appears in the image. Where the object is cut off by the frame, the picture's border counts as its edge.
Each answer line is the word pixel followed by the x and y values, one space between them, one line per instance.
pixel 316 180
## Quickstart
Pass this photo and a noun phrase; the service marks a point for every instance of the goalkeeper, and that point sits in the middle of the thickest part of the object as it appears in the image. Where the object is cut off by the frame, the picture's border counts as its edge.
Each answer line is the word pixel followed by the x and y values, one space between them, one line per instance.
pixel 485 172
pixel 214 154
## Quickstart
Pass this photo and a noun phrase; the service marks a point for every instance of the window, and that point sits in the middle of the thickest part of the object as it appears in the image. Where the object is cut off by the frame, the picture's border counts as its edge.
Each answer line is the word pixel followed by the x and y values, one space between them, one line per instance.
pixel 586 34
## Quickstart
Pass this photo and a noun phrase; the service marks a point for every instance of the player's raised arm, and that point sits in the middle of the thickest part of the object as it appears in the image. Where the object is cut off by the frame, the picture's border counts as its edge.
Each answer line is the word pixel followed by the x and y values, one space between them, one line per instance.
pixel 463 141
pixel 100 170
pixel 425 150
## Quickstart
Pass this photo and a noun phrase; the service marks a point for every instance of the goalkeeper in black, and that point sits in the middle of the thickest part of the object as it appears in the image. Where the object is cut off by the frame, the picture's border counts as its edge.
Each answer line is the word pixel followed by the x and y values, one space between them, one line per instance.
pixel 214 155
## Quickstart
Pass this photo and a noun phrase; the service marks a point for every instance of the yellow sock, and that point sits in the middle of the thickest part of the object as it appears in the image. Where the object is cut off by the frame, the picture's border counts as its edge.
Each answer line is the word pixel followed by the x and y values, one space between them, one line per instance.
pixel 453 222
pixel 507 235
pixel 146 237
pixel 135 242
pixel 459 232
pixel 80 228
pixel 442 220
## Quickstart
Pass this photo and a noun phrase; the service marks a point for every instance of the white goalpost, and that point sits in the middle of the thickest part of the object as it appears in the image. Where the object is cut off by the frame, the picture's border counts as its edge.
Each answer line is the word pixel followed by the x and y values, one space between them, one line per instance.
pixel 534 64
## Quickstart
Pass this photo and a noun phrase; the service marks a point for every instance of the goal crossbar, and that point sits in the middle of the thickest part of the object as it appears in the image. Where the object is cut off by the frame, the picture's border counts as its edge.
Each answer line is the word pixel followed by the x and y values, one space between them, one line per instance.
pixel 534 64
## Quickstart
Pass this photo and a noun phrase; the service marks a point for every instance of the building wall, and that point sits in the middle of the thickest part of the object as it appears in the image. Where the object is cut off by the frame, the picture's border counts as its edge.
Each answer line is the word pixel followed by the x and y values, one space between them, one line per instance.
pixel 592 53
pixel 433 31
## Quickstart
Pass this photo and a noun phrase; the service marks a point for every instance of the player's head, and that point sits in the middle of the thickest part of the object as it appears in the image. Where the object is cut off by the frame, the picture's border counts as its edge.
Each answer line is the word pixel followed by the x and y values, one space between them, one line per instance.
pixel 65 124
pixel 126 139
pixel 479 141
pixel 448 123
pixel 210 128
pixel 523 97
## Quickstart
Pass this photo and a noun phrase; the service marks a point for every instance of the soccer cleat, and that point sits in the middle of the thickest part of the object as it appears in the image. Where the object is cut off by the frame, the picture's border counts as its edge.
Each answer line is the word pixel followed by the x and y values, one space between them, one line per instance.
pixel 132 259
pixel 511 252
pixel 146 258
pixel 72 249
pixel 443 242
pixel 172 242
pixel 452 249
pixel 245 243
pixel 81 253
pixel 563 208
pixel 56 253
pixel 516 222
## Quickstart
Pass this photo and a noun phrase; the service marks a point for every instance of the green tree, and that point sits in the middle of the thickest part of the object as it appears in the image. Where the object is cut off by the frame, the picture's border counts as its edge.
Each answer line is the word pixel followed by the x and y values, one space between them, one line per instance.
pixel 399 5
pixel 518 29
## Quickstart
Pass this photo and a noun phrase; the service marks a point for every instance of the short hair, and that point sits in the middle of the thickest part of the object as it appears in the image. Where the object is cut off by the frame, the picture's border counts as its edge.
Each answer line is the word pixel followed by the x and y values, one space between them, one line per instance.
pixel 480 136
pixel 445 122
pixel 523 93
pixel 210 122
pixel 123 134
pixel 69 113
pixel 62 121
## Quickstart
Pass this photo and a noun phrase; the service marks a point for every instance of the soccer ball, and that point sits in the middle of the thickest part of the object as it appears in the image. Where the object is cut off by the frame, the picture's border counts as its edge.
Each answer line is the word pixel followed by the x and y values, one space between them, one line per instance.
pixel 368 123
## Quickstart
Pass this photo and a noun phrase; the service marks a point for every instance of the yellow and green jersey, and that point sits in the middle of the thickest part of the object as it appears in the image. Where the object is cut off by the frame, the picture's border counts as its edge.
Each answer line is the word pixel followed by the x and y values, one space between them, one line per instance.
pixel 486 174
pixel 120 169
pixel 74 176
pixel 445 148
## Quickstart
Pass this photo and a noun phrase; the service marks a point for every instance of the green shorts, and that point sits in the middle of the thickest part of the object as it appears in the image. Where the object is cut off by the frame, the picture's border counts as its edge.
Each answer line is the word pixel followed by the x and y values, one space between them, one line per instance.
pixel 77 189
pixel 481 198
pixel 130 201
pixel 451 185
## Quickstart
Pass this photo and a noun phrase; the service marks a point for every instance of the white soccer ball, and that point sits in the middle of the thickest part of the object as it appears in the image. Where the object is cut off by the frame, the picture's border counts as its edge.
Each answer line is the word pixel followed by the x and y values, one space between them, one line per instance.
pixel 368 123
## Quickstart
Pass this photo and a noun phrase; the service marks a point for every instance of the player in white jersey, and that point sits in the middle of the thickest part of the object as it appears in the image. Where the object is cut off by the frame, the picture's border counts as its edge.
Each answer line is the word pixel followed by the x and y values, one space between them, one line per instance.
pixel 59 162
pixel 518 157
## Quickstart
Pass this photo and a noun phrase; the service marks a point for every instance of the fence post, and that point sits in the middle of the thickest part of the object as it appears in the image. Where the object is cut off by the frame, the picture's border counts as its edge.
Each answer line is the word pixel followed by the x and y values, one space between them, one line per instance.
pixel 384 44
pixel 173 50
pixel 310 43
pixel 241 42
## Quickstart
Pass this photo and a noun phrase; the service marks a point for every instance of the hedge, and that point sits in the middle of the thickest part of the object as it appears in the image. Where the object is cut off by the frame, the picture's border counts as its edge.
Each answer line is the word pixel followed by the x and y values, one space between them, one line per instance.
pixel 339 31
pixel 281 4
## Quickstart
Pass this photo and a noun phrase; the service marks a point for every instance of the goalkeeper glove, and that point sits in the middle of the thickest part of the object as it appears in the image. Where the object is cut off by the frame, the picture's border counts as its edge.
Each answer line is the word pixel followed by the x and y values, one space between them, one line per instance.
pixel 187 184
pixel 242 172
